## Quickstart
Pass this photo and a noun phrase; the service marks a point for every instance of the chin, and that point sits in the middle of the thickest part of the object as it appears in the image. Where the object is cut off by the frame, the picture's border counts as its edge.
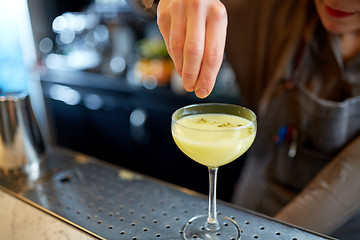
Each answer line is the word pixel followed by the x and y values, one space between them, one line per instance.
pixel 337 25
pixel 335 28
pixel 338 28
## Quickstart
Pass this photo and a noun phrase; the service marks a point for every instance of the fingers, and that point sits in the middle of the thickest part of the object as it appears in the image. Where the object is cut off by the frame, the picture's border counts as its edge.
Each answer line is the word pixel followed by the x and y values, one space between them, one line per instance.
pixel 177 34
pixel 194 32
pixel 216 26
pixel 194 45
pixel 164 23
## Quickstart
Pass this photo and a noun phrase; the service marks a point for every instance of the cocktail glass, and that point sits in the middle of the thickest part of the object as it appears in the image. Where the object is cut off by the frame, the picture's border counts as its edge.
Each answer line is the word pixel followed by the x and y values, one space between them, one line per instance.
pixel 213 134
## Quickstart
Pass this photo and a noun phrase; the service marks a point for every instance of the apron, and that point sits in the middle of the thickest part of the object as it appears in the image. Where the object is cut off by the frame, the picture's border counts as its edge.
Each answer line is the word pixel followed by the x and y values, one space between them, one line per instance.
pixel 310 118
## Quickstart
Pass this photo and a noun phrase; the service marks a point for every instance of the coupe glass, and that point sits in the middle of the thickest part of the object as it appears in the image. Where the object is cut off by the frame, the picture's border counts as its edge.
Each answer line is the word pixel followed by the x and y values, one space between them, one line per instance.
pixel 213 134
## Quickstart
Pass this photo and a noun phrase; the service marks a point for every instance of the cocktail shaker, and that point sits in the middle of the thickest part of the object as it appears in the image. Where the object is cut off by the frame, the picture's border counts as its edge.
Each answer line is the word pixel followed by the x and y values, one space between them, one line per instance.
pixel 21 143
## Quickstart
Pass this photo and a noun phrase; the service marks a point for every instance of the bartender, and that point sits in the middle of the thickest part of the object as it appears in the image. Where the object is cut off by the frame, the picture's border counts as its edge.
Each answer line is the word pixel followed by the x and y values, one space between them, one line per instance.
pixel 298 67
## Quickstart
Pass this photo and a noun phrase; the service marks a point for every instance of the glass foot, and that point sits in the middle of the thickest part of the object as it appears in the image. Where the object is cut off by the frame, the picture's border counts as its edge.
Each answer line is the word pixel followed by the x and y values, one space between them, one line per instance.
pixel 195 229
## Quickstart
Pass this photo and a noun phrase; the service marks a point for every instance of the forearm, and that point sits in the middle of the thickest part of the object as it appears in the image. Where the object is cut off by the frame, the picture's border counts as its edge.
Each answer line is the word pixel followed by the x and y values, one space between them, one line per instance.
pixel 332 197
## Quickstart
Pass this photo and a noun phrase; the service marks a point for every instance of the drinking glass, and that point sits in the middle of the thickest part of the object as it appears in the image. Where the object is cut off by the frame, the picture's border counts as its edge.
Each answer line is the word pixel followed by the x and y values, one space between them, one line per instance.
pixel 213 134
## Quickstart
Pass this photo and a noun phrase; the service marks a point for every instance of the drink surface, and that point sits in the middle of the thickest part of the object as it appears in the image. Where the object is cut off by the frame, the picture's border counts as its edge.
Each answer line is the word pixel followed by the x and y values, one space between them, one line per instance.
pixel 213 139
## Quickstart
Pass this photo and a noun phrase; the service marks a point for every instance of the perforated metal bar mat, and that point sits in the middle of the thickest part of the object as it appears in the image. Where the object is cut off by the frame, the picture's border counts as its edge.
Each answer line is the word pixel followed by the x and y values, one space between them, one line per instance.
pixel 112 203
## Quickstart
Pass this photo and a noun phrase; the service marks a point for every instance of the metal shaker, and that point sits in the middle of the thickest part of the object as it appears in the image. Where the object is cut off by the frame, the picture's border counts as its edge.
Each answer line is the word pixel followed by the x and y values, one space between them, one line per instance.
pixel 21 143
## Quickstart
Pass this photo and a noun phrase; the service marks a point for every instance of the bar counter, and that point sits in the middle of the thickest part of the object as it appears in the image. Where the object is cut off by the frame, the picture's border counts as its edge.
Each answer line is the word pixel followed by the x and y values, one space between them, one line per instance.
pixel 86 198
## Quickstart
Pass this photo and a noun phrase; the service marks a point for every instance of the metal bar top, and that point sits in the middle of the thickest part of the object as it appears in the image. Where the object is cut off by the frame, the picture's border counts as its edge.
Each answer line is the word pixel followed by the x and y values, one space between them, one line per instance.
pixel 110 202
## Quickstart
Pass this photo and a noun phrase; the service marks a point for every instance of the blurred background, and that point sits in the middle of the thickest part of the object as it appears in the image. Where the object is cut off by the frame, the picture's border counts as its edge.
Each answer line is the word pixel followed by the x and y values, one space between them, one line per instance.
pixel 101 83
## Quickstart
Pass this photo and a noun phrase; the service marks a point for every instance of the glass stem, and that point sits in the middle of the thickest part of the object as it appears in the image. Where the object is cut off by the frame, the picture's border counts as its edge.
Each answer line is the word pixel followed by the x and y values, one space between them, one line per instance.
pixel 212 223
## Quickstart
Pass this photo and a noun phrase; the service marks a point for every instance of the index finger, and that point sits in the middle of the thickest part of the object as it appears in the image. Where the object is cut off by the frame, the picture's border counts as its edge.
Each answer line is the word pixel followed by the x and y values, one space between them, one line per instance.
pixel 216 26
pixel 194 45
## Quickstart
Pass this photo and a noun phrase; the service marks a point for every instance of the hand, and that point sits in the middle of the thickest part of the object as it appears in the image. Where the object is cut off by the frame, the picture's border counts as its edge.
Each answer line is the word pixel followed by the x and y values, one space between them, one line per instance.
pixel 194 32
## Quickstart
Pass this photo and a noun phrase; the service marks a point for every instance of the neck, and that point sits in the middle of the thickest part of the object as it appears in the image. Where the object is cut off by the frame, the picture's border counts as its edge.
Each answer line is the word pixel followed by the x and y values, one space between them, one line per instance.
pixel 349 45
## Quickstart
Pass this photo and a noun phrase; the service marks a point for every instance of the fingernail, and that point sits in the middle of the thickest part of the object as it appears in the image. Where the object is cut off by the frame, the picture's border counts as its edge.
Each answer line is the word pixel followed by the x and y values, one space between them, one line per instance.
pixel 201 93
pixel 179 71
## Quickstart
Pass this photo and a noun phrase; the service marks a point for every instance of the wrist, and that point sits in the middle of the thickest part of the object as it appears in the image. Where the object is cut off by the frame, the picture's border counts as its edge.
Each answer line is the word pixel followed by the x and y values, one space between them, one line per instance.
pixel 149 3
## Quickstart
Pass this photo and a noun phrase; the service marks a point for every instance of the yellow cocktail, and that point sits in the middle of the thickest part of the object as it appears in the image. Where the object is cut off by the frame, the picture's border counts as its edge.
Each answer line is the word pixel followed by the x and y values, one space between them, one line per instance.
pixel 213 139
pixel 213 134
